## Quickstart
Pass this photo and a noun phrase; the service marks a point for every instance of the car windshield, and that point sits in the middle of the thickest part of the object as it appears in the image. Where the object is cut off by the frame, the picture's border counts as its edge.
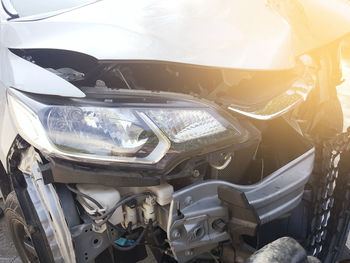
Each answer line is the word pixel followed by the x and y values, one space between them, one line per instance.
pixel 35 7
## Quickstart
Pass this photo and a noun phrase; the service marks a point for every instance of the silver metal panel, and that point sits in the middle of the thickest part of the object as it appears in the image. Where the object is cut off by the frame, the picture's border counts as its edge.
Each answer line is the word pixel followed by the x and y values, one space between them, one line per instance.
pixel 249 34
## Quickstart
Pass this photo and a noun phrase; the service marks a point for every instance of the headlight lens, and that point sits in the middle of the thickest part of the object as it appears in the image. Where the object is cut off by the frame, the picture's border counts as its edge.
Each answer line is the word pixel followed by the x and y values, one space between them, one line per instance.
pixel 102 131
pixel 116 134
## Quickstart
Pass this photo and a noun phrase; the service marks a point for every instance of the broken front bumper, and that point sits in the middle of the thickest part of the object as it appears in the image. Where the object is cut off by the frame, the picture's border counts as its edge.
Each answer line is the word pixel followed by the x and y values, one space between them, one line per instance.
pixel 199 217
pixel 203 214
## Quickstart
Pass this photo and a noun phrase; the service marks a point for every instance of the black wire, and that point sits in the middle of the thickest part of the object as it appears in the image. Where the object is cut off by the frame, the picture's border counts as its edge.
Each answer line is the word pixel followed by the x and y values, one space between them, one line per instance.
pixel 106 216
pixel 116 227
pixel 137 241
pixel 102 222
pixel 117 205
pixel 77 192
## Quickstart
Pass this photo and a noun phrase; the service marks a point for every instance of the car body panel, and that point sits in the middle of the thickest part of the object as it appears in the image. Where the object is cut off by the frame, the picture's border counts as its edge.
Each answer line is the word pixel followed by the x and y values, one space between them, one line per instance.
pixel 250 34
pixel 236 34
pixel 8 131
pixel 29 77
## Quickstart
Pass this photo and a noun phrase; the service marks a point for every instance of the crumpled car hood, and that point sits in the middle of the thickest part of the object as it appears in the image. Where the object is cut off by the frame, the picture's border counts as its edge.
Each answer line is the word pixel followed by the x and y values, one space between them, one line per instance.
pixel 242 34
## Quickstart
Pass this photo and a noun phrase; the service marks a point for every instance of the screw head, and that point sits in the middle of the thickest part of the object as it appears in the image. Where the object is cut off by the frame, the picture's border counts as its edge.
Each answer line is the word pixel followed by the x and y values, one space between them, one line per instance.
pixel 189 253
pixel 196 173
pixel 176 234
pixel 219 225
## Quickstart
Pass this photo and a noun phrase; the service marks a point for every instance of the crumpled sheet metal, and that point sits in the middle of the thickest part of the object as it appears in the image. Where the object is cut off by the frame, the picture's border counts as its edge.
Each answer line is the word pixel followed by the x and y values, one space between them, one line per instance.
pixel 48 208
pixel 242 34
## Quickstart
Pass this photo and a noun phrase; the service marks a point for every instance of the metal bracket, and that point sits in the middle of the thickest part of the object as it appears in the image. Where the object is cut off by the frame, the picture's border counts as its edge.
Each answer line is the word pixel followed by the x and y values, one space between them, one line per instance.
pixel 89 244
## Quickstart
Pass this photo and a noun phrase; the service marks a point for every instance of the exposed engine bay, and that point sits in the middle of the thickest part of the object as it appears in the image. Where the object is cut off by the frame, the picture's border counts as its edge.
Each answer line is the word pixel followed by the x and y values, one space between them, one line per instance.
pixel 224 86
pixel 174 131
pixel 185 206
pixel 188 214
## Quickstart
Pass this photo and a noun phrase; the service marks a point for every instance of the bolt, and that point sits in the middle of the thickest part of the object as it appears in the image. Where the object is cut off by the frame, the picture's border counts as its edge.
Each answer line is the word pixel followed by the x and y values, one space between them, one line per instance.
pixel 188 253
pixel 196 173
pixel 198 232
pixel 188 201
pixel 176 234
pixel 97 228
pixel 219 225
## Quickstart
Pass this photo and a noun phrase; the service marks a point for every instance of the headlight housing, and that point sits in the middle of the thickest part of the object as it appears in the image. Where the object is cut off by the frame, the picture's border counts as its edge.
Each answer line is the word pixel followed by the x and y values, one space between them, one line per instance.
pixel 133 133
pixel 305 80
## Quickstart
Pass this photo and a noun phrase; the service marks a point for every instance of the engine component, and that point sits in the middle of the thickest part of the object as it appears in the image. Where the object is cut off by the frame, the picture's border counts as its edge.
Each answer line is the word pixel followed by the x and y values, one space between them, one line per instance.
pixel 130 214
pixel 190 226
pixel 163 193
pixel 148 209
pixel 194 209
pixel 68 74
pixel 106 196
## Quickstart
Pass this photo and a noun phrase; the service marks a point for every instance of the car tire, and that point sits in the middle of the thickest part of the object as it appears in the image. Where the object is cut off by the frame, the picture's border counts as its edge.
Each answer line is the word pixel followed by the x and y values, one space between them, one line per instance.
pixel 19 230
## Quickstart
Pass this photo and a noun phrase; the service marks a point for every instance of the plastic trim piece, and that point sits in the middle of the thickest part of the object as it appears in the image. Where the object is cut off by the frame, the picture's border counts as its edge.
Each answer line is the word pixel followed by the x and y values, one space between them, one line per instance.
pixel 272 197
pixel 48 208
pixel 269 199
pixel 70 173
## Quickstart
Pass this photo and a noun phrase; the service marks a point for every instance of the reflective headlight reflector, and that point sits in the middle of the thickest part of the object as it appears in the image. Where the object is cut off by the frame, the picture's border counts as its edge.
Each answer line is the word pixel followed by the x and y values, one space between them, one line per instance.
pixel 102 131
pixel 185 125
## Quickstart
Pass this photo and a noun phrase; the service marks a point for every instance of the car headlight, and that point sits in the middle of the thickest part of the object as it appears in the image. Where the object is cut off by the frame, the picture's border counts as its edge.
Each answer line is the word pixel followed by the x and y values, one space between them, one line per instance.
pixel 131 134
pixel 305 81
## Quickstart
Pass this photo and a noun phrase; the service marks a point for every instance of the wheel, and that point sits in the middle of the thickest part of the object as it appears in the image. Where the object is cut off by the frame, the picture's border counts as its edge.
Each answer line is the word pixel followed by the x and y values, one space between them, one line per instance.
pixel 19 230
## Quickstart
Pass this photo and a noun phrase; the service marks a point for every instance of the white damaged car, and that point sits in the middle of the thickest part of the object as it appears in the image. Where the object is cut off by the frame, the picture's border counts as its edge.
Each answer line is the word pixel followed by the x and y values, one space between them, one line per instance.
pixel 200 129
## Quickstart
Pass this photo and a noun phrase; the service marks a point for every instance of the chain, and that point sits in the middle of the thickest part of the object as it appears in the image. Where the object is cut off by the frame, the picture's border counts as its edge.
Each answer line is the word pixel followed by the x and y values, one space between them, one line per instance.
pixel 329 200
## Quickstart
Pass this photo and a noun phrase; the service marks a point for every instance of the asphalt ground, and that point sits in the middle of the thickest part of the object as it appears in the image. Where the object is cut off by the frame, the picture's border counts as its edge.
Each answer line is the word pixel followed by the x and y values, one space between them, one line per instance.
pixel 8 252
